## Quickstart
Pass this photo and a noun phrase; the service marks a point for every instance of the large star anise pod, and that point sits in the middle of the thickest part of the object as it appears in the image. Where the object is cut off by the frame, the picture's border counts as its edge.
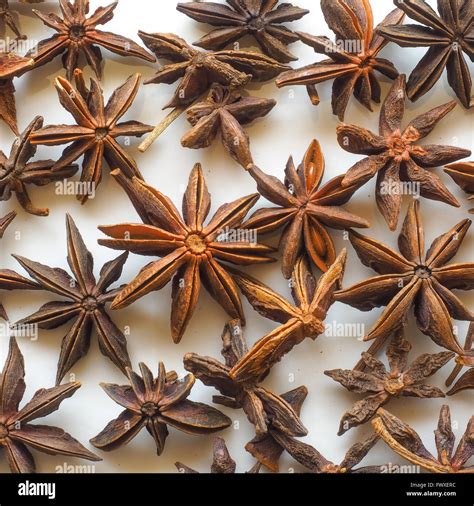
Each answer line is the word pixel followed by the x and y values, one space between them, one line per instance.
pixel 155 403
pixel 382 385
pixel 8 18
pixel 86 305
pixel 95 135
pixel 466 381
pixel 190 251
pixel 406 442
pixel 353 58
pixel 262 19
pixel 303 319
pixel 463 175
pixel 225 111
pixel 16 173
pixel 412 278
pixel 396 156
pixel 447 36
pixel 304 209
pixel 16 431
pixel 78 36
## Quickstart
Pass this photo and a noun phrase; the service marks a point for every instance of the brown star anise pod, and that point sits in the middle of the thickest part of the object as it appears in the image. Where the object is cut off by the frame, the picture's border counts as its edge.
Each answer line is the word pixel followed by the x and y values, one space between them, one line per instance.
pixel 305 209
pixel 225 110
pixel 397 158
pixel 16 433
pixel 155 403
pixel 447 36
pixel 190 251
pixel 466 381
pixel 262 19
pixel 353 58
pixel 86 305
pixel 406 442
pixel 463 175
pixel 16 173
pixel 8 18
pixel 299 321
pixel 383 385
pixel 95 135
pixel 78 36
pixel 413 279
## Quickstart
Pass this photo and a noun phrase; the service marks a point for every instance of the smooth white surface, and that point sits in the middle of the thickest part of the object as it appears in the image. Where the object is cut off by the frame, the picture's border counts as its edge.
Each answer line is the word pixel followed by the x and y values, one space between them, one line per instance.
pixel 288 129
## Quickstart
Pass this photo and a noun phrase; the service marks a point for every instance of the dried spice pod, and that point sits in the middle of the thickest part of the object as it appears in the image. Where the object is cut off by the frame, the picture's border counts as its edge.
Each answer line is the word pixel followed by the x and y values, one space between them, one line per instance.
pixel 261 19
pixel 303 319
pixel 156 403
pixel 16 431
pixel 225 111
pixel 447 36
pixel 466 381
pixel 396 157
pixel 7 17
pixel 190 252
pixel 86 306
pixel 406 442
pixel 305 209
pixel 463 175
pixel 351 61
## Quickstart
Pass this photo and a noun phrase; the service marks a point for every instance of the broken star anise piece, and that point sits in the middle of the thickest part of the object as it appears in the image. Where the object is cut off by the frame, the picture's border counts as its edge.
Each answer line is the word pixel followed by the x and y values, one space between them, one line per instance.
pixel 353 58
pixel 396 156
pixel 305 209
pixel 303 319
pixel 225 111
pixel 382 385
pixel 447 36
pixel 95 135
pixel 155 403
pixel 466 381
pixel 77 36
pixel 406 442
pixel 262 19
pixel 8 18
pixel 463 175
pixel 190 251
pixel 86 305
pixel 16 431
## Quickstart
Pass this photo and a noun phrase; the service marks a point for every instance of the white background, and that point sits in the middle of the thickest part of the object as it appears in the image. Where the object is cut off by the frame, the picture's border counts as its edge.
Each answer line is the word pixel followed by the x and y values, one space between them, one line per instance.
pixel 288 129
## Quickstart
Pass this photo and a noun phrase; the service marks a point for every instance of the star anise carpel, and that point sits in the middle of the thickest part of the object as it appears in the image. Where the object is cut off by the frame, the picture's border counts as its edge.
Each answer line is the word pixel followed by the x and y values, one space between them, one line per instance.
pixel 351 60
pixel 463 175
pixel 466 359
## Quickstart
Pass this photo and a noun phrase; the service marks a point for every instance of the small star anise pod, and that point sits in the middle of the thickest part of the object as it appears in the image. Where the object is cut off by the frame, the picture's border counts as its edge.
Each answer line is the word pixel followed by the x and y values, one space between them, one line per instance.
pixel 466 381
pixel 95 135
pixel 16 173
pixel 406 442
pixel 225 110
pixel 78 36
pixel 155 403
pixel 303 319
pixel 397 158
pixel 463 175
pixel 8 18
pixel 262 19
pixel 447 36
pixel 305 209
pixel 198 70
pixel 413 279
pixel 383 385
pixel 16 431
pixel 353 58
pixel 190 251
pixel 86 305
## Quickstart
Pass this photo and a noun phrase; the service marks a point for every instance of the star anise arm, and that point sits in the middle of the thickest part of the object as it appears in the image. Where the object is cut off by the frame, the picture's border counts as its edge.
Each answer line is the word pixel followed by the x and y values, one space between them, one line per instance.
pixel 358 451
pixel 465 449
pixel 19 457
pixel 120 431
pixel 196 199
pixel 445 247
pixel 420 11
pixel 119 44
pixel 465 382
pixel 12 383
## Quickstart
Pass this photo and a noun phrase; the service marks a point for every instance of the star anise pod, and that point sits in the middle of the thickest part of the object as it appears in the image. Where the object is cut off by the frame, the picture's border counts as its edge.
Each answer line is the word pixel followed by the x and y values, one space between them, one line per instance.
pixel 304 209
pixel 95 135
pixel 463 175
pixel 8 18
pixel 16 173
pixel 155 403
pixel 190 251
pixel 225 111
pixel 86 305
pixel 262 19
pixel 303 319
pixel 406 442
pixel 447 36
pixel 77 36
pixel 16 431
pixel 397 158
pixel 353 58
pixel 11 66
pixel 466 381
pixel 412 278
pixel 382 385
